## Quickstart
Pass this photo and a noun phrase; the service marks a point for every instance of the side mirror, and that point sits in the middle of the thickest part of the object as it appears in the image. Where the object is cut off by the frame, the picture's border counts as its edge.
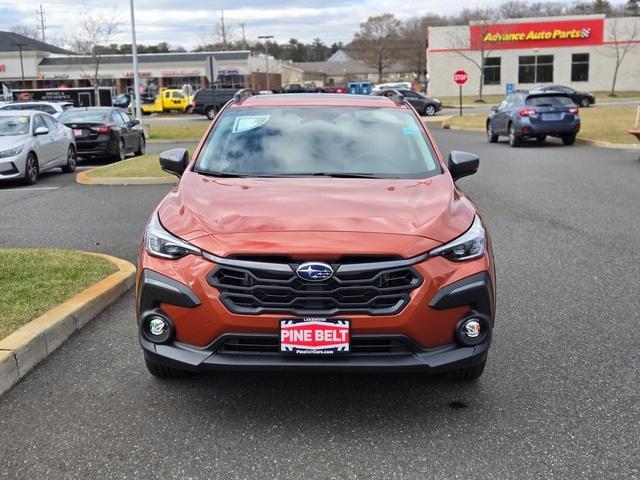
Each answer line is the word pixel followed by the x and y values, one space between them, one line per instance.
pixel 462 164
pixel 495 108
pixel 174 161
pixel 41 131
pixel 134 122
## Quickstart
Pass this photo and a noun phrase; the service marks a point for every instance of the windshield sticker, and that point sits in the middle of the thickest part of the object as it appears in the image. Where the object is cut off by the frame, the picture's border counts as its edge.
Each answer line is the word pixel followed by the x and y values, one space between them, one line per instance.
pixel 244 124
pixel 409 131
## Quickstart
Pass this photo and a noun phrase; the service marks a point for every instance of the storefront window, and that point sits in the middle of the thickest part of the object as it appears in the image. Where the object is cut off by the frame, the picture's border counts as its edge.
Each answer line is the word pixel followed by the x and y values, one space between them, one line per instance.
pixel 535 69
pixel 230 81
pixel 580 67
pixel 492 71
pixel 179 82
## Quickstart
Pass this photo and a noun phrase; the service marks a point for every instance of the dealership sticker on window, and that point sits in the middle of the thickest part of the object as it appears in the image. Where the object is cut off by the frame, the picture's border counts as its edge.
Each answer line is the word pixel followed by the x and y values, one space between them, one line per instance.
pixel 409 131
pixel 243 124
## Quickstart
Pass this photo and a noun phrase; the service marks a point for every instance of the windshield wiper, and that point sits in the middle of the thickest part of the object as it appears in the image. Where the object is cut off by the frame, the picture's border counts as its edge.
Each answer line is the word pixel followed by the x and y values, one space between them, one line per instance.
pixel 334 175
pixel 221 174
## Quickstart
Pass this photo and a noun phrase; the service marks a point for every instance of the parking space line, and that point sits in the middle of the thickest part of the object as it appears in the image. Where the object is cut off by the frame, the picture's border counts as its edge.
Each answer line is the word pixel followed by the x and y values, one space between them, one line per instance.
pixel 27 189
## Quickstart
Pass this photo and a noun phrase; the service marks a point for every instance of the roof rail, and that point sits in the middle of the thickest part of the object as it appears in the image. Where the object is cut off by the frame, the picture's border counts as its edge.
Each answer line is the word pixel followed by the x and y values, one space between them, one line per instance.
pixel 241 95
pixel 394 95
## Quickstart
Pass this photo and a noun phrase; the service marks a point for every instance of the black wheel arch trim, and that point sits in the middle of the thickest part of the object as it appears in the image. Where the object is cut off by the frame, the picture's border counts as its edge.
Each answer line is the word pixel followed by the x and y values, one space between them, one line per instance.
pixel 155 288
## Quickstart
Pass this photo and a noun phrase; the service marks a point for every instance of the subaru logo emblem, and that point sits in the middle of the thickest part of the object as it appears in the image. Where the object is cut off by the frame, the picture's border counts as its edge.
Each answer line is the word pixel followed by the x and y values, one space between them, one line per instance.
pixel 314 271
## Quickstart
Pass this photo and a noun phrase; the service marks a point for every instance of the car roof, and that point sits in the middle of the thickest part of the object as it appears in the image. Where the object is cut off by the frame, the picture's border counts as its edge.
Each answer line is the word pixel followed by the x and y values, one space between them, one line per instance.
pixel 17 113
pixel 318 99
pixel 37 102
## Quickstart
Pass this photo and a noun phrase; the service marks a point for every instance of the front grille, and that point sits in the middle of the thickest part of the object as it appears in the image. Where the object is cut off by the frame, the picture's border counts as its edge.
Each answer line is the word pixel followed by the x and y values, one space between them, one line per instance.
pixel 373 292
pixel 269 344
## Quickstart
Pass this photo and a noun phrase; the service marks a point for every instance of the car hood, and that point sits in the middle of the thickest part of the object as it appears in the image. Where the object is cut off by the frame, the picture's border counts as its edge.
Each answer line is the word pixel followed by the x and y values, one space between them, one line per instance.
pixel 11 141
pixel 222 214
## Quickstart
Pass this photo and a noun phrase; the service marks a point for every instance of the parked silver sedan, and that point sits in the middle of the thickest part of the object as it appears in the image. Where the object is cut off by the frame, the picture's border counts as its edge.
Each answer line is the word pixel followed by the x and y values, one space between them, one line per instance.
pixel 33 142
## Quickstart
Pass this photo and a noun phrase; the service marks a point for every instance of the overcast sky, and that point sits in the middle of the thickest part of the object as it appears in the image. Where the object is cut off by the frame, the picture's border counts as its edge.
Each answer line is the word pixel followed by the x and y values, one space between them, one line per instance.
pixel 187 23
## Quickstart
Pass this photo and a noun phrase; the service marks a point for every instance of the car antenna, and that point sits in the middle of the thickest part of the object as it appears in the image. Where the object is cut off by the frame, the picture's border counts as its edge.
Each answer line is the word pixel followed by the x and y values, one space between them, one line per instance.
pixel 394 95
pixel 241 95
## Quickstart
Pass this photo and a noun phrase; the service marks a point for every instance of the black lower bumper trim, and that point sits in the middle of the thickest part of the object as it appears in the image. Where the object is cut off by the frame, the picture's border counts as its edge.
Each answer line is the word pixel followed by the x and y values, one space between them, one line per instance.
pixel 155 288
pixel 436 360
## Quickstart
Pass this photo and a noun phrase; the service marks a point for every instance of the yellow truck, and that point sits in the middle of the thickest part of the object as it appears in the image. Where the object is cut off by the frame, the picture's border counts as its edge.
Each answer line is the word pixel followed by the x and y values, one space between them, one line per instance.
pixel 168 100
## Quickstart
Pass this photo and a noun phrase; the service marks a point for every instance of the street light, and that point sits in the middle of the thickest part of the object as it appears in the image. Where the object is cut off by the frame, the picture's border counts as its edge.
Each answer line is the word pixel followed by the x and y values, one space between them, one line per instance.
pixel 266 53
pixel 20 45
pixel 134 54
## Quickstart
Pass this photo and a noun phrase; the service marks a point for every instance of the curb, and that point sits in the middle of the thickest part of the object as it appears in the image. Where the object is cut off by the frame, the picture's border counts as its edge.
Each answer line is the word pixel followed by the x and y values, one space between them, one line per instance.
pixel 30 344
pixel 85 179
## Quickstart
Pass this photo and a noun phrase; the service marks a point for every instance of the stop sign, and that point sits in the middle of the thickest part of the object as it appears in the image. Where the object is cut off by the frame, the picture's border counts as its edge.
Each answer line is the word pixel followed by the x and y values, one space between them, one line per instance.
pixel 460 77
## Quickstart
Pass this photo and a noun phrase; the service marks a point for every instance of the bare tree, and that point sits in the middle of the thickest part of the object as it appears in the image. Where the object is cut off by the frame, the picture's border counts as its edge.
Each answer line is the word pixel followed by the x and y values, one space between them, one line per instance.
pixel 484 18
pixel 624 39
pixel 25 30
pixel 91 37
pixel 376 43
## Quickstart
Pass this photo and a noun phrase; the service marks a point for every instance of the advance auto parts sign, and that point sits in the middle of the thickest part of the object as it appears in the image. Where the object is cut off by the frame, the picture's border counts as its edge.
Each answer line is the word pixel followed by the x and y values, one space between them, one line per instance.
pixel 565 33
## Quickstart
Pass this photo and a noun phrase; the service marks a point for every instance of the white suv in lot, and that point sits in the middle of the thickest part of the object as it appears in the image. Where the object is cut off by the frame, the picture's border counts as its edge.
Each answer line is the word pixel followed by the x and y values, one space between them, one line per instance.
pixel 52 108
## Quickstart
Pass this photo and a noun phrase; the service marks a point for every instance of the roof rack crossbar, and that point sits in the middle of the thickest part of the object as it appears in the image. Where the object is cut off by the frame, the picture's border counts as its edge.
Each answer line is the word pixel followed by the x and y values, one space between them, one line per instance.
pixel 241 95
pixel 394 95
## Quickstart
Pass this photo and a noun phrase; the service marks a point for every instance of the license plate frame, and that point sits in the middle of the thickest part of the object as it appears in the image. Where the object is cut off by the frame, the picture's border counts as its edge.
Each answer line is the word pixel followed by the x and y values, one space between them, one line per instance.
pixel 551 117
pixel 77 132
pixel 335 333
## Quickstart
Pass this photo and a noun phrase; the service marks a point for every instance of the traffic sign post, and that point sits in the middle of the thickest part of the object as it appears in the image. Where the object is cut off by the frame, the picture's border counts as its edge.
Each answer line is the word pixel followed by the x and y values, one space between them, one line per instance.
pixel 460 77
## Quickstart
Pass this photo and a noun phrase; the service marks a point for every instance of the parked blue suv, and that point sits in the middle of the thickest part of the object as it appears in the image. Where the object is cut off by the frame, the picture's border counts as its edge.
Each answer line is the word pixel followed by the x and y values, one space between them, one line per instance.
pixel 523 115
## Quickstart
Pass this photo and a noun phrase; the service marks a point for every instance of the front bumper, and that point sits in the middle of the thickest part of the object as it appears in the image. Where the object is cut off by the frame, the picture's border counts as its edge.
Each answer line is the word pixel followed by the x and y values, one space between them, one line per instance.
pixel 13 167
pixel 472 295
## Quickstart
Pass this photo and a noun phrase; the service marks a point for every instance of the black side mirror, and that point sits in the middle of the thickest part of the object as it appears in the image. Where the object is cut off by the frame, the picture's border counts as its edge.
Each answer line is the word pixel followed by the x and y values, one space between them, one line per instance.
pixel 134 122
pixel 174 161
pixel 495 108
pixel 462 164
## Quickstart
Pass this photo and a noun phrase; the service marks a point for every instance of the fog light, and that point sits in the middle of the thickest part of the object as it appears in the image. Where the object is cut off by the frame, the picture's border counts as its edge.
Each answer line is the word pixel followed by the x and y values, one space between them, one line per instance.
pixel 157 327
pixel 472 328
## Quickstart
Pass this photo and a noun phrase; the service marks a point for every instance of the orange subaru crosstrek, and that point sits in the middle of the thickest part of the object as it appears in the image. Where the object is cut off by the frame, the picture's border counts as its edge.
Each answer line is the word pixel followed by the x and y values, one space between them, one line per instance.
pixel 316 231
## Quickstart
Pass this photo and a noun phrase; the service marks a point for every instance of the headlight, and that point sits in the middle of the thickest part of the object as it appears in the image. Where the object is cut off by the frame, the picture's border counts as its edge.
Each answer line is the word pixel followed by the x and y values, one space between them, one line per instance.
pixel 436 100
pixel 161 243
pixel 471 244
pixel 11 153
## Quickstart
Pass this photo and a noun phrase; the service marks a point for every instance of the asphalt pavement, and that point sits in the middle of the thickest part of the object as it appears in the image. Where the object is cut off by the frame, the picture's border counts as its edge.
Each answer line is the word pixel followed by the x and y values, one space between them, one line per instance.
pixel 559 398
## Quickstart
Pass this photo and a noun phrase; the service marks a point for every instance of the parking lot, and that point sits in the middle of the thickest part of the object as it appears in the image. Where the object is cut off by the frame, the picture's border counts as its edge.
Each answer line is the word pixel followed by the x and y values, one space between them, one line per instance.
pixel 559 398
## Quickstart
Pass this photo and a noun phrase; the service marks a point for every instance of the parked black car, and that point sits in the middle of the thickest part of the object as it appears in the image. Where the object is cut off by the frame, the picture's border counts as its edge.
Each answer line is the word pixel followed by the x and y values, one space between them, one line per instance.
pixel 294 88
pixel 424 105
pixel 208 101
pixel 524 115
pixel 583 99
pixel 105 132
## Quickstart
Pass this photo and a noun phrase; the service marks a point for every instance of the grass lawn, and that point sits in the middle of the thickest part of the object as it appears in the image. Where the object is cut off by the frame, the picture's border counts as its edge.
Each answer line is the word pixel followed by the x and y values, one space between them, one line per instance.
pixel 36 280
pixel 609 124
pixel 185 132
pixel 145 166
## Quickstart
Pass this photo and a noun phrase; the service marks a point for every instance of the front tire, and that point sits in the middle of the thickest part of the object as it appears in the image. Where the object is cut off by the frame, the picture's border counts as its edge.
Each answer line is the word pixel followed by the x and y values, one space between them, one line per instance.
pixel 430 110
pixel 162 371
pixel 491 136
pixel 70 166
pixel 585 102
pixel 514 139
pixel 469 374
pixel 142 147
pixel 210 112
pixel 569 139
pixel 31 170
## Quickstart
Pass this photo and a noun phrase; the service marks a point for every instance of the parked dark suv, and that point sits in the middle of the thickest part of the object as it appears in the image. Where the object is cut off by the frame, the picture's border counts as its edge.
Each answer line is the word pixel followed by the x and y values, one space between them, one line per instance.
pixel 208 101
pixel 525 115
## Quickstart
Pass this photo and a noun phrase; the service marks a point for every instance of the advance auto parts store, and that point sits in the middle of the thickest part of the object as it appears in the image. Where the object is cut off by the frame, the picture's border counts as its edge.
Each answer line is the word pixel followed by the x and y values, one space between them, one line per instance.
pixel 578 51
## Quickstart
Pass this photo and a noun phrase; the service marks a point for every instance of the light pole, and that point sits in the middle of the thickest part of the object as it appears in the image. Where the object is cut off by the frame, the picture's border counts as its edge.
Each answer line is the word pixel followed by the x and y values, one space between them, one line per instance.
pixel 20 45
pixel 134 52
pixel 266 38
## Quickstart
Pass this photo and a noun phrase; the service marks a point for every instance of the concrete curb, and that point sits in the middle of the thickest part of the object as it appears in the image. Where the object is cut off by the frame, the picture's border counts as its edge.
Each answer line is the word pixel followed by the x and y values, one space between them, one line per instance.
pixel 30 344
pixel 85 179
pixel 597 143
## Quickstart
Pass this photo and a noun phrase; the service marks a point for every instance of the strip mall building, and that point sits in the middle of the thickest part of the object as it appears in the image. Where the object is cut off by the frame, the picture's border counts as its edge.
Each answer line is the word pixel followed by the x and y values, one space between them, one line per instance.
pixel 577 51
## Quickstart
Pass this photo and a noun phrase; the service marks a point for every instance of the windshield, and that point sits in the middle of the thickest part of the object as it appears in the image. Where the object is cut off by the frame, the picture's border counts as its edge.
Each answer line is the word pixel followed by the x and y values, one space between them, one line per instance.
pixel 549 101
pixel 14 125
pixel 340 141
pixel 77 115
